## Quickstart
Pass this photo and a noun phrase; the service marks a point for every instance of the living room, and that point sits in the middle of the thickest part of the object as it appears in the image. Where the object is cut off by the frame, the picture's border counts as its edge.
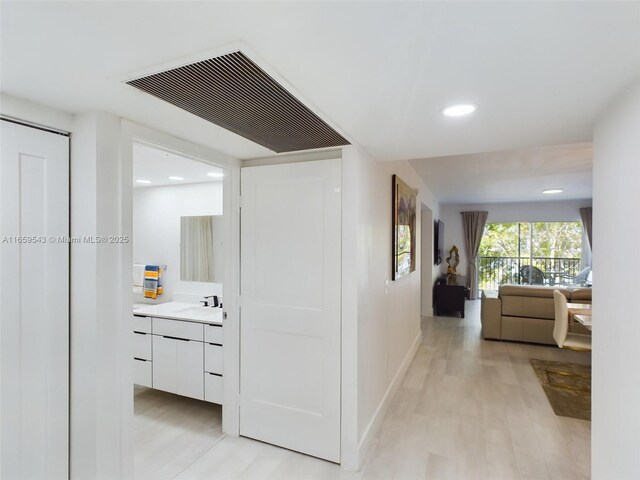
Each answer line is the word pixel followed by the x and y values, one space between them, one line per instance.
pixel 533 241
pixel 527 186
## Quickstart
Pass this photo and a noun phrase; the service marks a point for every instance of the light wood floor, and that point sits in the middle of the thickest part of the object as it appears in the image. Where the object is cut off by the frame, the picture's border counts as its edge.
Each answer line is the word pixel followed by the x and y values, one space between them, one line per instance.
pixel 467 409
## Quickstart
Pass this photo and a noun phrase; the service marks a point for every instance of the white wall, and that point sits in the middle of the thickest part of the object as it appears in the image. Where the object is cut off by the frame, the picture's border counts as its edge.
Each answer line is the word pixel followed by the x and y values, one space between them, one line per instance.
pixel 101 376
pixel 556 211
pixel 427 267
pixel 156 231
pixel 616 198
pixel 25 110
pixel 383 325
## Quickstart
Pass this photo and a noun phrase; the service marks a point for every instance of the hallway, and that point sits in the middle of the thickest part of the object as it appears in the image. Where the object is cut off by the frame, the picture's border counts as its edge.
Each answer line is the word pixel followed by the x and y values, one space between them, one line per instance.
pixel 473 409
pixel 467 409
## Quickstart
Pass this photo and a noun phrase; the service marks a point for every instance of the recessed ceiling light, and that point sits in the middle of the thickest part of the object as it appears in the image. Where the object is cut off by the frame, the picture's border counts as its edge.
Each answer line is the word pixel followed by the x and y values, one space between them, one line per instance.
pixel 459 110
pixel 551 191
pixel 143 181
pixel 176 178
pixel 215 174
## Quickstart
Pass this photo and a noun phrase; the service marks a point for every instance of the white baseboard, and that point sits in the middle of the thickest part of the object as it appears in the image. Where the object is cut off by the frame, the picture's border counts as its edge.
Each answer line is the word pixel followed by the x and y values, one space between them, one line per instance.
pixel 370 432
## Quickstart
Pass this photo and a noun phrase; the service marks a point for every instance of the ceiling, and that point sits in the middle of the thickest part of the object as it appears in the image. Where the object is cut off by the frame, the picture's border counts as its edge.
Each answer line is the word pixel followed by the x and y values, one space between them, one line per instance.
pixel 539 72
pixel 157 166
pixel 510 176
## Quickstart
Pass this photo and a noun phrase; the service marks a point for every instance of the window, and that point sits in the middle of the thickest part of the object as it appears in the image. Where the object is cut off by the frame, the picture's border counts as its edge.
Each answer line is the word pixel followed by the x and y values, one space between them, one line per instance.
pixel 540 253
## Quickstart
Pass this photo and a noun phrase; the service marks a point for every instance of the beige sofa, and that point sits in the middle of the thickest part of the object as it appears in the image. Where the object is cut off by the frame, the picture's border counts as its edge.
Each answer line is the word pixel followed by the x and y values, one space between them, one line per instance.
pixel 526 313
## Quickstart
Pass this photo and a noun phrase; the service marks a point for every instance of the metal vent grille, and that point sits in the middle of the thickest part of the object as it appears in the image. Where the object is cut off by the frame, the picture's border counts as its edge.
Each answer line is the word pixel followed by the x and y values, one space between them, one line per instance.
pixel 234 93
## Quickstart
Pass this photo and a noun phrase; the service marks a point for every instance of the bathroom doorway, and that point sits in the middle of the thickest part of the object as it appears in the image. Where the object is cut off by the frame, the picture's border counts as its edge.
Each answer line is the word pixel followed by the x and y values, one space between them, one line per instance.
pixel 179 242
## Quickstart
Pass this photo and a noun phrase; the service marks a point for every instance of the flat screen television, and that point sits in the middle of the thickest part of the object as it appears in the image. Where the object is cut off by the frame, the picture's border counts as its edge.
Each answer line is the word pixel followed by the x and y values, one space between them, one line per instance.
pixel 438 241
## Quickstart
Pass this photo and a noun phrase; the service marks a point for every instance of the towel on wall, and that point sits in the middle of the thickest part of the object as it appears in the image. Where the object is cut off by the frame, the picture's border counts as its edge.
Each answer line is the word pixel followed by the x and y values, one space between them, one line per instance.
pixel 152 281
pixel 160 281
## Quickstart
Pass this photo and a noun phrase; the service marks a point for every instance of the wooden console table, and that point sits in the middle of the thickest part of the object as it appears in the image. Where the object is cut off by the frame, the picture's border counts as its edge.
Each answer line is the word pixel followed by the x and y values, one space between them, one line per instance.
pixel 450 298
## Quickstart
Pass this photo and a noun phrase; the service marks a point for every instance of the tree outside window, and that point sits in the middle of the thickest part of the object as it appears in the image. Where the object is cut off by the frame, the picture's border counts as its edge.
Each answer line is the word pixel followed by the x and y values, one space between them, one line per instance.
pixel 545 253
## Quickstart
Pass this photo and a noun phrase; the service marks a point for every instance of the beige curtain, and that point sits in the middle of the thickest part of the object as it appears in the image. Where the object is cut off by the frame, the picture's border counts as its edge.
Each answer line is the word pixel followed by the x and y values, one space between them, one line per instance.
pixel 587 214
pixel 473 224
pixel 196 249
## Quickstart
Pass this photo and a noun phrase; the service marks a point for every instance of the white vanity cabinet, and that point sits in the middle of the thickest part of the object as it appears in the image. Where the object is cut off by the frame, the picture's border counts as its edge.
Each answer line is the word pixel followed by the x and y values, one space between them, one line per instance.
pixel 142 345
pixel 177 366
pixel 178 356
pixel 213 358
pixel 143 372
pixel 213 391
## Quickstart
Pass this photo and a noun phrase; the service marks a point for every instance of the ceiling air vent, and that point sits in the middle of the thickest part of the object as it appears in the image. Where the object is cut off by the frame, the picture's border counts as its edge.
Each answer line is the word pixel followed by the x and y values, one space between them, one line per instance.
pixel 234 93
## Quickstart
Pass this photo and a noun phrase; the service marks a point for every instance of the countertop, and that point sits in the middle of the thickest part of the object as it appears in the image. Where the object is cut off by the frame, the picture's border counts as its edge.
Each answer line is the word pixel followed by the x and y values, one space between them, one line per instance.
pixel 181 311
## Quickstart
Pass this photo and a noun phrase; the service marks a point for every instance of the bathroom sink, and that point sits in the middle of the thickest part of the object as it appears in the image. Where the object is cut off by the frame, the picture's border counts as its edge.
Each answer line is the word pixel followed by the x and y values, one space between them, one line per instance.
pixel 198 312
pixel 183 311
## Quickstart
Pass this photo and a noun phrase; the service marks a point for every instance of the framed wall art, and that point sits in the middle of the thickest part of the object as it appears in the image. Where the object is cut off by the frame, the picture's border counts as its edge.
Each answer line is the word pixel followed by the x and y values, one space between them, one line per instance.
pixel 404 228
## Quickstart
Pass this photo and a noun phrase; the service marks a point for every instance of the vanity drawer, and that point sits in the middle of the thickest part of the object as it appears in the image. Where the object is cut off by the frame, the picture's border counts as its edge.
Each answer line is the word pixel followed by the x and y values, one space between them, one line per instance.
pixel 142 345
pixel 212 358
pixel 213 334
pixel 141 324
pixel 178 329
pixel 213 389
pixel 142 372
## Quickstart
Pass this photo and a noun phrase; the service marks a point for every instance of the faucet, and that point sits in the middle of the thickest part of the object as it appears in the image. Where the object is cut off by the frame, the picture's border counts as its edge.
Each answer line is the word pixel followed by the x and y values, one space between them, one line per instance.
pixel 214 301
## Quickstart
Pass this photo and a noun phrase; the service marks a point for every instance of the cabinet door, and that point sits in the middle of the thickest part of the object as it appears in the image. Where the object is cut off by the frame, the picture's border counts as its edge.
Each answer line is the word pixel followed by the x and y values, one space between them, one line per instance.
pixel 178 329
pixel 141 324
pixel 178 366
pixel 142 345
pixel 213 334
pixel 142 372
pixel 213 358
pixel 213 388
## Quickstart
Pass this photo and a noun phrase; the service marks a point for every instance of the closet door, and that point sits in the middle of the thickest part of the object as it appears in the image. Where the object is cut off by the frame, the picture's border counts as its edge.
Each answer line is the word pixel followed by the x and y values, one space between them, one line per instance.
pixel 34 302
pixel 290 309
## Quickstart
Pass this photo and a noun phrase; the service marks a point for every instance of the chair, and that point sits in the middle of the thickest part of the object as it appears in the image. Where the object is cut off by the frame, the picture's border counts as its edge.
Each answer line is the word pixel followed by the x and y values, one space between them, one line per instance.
pixel 561 335
pixel 581 278
pixel 530 275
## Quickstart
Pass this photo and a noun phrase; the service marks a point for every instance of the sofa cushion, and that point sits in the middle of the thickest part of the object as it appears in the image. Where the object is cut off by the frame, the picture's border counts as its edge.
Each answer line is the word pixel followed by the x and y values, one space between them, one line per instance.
pixel 538 331
pixel 533 307
pixel 531 291
pixel 581 295
pixel 529 301
pixel 512 329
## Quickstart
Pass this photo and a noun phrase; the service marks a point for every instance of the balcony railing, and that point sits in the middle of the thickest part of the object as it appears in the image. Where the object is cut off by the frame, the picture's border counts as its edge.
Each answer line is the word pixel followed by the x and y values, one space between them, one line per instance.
pixel 496 271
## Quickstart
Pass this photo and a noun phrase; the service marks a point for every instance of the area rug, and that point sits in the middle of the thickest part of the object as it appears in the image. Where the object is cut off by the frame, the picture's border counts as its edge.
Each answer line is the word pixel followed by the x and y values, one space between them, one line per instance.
pixel 567 386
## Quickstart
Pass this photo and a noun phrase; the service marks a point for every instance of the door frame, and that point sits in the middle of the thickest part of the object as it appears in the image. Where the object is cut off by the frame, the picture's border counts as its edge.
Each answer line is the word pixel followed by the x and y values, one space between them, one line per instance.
pixel 132 132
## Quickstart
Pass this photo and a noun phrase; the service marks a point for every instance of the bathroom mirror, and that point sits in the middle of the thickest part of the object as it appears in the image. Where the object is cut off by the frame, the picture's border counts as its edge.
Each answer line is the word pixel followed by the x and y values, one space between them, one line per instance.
pixel 201 249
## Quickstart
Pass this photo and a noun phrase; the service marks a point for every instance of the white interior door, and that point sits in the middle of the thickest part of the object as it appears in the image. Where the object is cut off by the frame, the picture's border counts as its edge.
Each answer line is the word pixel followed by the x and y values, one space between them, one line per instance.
pixel 34 303
pixel 290 306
